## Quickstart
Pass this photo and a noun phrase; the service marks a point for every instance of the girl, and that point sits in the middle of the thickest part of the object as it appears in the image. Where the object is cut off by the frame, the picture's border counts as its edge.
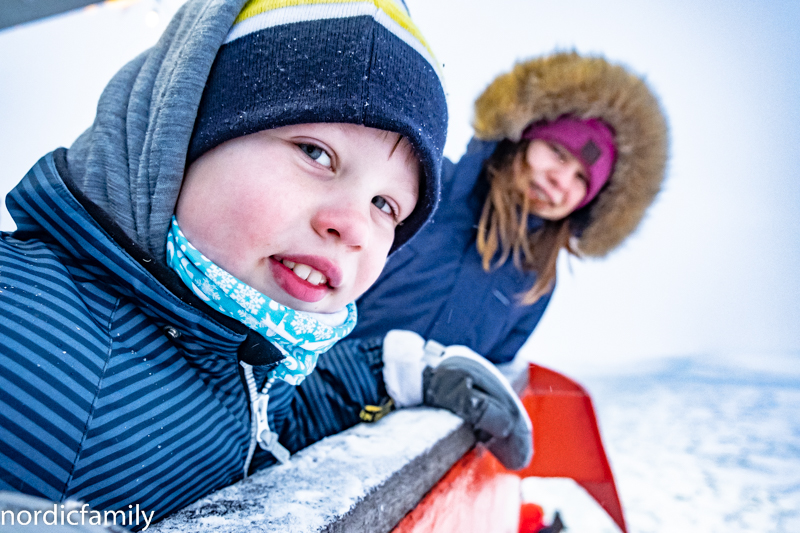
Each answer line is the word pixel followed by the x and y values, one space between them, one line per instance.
pixel 569 152
pixel 482 272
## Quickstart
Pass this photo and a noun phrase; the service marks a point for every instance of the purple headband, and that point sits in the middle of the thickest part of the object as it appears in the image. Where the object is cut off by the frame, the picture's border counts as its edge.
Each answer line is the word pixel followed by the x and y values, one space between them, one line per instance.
pixel 591 141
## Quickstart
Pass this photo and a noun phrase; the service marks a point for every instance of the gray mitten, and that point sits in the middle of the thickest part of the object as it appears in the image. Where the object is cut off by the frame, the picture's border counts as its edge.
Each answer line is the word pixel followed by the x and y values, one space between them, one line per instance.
pixel 459 380
pixel 467 384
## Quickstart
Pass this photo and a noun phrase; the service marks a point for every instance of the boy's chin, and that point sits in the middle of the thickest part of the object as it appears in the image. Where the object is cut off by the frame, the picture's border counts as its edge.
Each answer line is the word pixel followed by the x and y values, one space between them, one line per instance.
pixel 326 305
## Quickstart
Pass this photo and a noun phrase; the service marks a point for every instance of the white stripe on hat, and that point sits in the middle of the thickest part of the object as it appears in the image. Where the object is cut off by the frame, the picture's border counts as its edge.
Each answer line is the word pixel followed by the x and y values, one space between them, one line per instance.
pixel 327 11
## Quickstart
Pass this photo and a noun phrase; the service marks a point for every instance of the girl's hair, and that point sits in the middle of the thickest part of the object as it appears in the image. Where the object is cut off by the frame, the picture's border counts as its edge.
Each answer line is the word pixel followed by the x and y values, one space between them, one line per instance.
pixel 503 226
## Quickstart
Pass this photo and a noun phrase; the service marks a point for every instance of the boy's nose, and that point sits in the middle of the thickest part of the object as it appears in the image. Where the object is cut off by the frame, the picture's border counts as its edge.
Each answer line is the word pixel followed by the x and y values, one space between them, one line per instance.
pixel 343 222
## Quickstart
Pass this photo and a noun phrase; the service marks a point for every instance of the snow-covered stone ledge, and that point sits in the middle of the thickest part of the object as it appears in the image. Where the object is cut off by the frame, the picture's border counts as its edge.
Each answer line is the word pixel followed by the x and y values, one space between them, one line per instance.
pixel 364 479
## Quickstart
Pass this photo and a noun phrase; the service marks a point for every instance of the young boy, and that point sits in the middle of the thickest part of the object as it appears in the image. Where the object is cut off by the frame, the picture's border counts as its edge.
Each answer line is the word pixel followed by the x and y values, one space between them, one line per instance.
pixel 204 240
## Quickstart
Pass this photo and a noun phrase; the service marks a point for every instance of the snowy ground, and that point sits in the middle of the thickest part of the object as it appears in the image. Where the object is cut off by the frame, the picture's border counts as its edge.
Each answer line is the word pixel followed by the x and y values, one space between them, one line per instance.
pixel 694 448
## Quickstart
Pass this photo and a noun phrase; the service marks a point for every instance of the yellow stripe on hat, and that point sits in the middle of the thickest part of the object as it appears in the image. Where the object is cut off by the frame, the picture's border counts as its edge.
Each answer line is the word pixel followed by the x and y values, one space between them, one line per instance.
pixel 261 14
pixel 254 7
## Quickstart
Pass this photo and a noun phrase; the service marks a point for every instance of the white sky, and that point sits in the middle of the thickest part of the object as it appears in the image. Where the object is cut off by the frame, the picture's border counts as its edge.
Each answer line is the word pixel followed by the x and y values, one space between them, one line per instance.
pixel 712 272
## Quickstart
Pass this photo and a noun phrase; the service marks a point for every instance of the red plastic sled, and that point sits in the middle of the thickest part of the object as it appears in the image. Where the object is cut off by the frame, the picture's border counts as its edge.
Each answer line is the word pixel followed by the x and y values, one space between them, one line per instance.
pixel 477 491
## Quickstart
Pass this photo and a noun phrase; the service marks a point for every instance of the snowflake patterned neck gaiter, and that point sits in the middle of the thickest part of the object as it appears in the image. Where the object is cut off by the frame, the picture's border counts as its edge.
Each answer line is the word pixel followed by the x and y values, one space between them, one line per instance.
pixel 299 335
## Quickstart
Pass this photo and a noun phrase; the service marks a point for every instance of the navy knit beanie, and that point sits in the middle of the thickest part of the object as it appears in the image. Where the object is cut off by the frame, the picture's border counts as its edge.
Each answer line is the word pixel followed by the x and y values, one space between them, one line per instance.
pixel 306 61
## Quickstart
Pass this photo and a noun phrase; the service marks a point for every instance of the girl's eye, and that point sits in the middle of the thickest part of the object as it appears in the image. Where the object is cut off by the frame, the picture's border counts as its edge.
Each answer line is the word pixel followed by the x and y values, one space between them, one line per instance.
pixel 381 203
pixel 316 153
pixel 559 152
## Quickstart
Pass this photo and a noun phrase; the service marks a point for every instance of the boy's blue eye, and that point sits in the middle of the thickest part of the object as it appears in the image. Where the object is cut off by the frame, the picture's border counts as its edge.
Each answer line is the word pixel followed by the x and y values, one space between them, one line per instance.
pixel 381 203
pixel 316 153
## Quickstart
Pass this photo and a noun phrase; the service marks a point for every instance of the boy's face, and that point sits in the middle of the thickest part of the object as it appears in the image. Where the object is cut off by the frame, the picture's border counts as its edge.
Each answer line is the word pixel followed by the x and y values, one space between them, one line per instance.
pixel 305 213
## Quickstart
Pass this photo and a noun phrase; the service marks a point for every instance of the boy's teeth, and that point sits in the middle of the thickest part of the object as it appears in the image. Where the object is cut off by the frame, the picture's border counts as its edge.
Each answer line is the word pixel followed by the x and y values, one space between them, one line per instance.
pixel 305 272
pixel 315 278
pixel 301 271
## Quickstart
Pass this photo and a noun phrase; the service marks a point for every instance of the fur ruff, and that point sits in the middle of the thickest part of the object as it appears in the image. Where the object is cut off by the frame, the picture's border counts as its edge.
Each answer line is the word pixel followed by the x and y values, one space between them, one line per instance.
pixel 566 83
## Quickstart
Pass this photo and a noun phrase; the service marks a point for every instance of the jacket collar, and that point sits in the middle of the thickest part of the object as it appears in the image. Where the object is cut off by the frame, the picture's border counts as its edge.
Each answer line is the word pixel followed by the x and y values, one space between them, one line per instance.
pixel 46 204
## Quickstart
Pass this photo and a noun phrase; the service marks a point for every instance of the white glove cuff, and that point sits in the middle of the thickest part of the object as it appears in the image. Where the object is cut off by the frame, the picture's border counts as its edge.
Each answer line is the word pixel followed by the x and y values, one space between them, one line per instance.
pixel 403 364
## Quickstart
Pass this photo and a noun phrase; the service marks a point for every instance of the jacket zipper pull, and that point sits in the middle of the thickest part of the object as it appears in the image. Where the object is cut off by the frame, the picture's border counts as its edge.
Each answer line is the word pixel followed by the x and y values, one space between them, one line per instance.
pixel 259 422
pixel 268 439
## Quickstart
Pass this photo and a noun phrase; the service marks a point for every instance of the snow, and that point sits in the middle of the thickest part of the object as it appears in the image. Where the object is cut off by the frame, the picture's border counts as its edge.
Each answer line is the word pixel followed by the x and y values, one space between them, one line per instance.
pixel 321 483
pixel 694 446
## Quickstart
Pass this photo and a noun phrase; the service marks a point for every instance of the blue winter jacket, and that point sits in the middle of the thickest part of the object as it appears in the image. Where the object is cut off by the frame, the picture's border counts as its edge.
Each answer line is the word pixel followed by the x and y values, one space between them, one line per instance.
pixel 436 285
pixel 117 385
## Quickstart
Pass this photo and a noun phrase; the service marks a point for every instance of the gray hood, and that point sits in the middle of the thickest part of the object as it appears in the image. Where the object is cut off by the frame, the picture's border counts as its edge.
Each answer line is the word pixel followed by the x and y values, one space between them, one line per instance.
pixel 130 162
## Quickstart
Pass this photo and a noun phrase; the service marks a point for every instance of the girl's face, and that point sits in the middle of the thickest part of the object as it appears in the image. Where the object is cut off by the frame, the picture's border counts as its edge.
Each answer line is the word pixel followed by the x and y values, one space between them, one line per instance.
pixel 305 214
pixel 552 178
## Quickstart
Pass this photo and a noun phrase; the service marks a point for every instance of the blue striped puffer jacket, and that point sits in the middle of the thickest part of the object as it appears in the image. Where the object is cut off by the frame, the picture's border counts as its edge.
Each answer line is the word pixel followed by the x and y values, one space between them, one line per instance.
pixel 117 386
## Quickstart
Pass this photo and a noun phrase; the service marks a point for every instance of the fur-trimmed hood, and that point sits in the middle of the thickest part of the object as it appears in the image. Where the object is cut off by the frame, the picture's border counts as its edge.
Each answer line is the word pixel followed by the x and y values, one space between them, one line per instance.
pixel 588 87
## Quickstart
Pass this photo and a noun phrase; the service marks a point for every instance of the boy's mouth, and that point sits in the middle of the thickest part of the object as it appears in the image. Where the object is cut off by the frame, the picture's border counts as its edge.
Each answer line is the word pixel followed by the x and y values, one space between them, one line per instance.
pixel 306 273
pixel 306 278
